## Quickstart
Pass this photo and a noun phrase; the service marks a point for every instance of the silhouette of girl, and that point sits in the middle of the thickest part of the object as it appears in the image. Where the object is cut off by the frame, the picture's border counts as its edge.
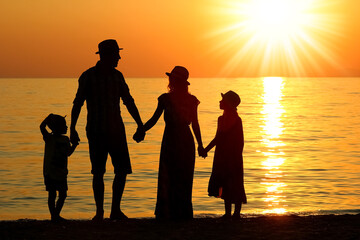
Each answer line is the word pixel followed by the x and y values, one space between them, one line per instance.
pixel 227 177
pixel 177 157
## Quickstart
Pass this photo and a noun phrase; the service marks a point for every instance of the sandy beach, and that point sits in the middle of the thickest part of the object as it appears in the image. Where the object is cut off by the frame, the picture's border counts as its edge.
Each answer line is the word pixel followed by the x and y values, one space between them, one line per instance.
pixel 267 227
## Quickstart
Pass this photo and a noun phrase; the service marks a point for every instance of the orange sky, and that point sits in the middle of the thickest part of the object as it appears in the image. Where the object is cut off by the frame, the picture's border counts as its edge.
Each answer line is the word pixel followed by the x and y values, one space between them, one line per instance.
pixel 56 38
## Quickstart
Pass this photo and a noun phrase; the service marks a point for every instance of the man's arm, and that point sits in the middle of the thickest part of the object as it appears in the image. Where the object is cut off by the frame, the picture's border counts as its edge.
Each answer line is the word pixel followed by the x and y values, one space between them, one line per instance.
pixel 74 136
pixel 131 107
pixel 129 102
pixel 76 109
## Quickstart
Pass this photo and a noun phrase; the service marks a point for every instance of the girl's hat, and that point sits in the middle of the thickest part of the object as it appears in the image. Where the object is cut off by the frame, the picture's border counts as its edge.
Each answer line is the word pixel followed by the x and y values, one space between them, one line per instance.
pixel 231 98
pixel 179 73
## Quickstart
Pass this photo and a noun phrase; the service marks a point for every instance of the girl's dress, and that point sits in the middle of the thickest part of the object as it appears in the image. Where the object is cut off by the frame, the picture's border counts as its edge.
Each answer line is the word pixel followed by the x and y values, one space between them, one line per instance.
pixel 227 177
pixel 177 158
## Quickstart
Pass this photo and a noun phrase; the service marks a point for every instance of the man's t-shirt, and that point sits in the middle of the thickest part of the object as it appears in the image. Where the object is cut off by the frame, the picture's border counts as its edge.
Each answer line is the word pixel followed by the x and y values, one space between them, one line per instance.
pixel 102 94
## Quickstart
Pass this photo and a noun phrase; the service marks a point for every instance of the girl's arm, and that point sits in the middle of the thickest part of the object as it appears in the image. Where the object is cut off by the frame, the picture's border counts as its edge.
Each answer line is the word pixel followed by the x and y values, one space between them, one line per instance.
pixel 213 142
pixel 153 120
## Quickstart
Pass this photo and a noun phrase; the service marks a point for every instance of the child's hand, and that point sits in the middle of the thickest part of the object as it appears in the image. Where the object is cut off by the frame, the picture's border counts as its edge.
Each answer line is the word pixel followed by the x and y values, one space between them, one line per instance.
pixel 74 137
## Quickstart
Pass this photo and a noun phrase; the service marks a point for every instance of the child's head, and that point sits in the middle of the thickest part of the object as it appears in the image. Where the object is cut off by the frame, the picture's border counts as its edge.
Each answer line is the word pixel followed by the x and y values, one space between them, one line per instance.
pixel 57 124
pixel 230 101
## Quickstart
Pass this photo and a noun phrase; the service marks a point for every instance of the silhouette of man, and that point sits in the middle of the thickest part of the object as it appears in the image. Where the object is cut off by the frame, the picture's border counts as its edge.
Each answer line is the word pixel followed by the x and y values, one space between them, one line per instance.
pixel 101 87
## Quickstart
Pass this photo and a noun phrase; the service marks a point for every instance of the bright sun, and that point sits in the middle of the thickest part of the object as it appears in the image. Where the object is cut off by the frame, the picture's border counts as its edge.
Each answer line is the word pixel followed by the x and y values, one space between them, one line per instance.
pixel 276 17
pixel 278 37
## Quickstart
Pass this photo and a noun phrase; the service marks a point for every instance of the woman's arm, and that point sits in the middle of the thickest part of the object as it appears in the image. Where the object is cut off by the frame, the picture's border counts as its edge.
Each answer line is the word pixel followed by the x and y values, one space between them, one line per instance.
pixel 196 128
pixel 211 145
pixel 153 120
pixel 241 135
pixel 140 132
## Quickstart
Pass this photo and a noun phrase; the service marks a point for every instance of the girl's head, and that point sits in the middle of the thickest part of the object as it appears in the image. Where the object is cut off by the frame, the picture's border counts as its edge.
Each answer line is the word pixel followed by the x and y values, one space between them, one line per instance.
pixel 178 80
pixel 229 101
pixel 57 124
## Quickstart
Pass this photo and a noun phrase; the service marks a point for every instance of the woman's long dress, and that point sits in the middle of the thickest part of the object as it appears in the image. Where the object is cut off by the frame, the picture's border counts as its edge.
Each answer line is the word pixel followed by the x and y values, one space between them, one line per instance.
pixel 227 177
pixel 177 158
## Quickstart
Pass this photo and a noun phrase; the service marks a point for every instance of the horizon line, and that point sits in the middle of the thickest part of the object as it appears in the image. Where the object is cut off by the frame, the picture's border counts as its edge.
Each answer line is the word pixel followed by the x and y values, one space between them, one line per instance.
pixel 355 76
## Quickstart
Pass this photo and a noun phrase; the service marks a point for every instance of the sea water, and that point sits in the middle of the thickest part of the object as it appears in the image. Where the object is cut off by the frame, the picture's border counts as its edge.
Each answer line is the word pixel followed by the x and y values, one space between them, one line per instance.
pixel 301 155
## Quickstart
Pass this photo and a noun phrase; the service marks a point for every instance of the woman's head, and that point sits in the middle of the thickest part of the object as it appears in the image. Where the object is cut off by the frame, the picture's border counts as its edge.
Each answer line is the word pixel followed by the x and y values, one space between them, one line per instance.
pixel 178 79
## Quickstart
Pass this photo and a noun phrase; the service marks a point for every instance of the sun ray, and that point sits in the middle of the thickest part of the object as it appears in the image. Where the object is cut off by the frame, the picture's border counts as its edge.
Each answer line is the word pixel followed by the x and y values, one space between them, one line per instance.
pixel 278 37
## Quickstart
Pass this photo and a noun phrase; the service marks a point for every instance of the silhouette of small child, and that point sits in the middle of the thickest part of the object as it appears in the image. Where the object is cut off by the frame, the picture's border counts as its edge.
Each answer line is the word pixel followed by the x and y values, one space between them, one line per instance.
pixel 57 150
pixel 227 177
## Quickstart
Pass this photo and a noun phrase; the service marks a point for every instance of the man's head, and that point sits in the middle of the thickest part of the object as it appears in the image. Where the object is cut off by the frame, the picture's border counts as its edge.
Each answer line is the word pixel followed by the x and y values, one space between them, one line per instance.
pixel 109 52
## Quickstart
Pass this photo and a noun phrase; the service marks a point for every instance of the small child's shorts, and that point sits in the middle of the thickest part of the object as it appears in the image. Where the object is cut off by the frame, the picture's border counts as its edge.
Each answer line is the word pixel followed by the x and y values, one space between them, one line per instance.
pixel 55 185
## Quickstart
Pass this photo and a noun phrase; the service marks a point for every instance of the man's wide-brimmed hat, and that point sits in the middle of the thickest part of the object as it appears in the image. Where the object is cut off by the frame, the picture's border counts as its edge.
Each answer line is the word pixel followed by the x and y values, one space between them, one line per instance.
pixel 108 46
pixel 179 73
pixel 231 98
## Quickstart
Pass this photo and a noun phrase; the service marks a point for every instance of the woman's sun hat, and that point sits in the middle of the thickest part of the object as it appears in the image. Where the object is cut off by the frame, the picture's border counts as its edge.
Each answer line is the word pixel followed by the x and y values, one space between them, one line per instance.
pixel 179 73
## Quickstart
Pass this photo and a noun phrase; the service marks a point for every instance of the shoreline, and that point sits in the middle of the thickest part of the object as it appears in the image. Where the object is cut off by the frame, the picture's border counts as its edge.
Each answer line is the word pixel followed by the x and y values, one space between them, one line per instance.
pixel 263 227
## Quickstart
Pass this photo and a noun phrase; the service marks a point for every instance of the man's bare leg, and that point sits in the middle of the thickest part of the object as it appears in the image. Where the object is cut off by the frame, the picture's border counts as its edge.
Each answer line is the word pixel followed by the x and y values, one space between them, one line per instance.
pixel 98 188
pixel 118 190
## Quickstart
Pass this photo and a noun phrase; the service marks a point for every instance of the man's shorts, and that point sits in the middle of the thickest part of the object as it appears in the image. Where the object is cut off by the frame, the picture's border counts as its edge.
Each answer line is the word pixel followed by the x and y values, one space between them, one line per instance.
pixel 100 145
pixel 55 185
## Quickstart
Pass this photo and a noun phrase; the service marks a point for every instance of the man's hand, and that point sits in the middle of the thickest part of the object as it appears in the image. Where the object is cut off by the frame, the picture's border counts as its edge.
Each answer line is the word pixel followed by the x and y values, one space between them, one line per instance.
pixel 74 137
pixel 139 135
pixel 202 152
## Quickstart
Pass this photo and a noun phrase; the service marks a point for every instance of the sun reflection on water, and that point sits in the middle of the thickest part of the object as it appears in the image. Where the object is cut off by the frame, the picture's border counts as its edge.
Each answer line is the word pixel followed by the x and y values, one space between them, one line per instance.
pixel 273 156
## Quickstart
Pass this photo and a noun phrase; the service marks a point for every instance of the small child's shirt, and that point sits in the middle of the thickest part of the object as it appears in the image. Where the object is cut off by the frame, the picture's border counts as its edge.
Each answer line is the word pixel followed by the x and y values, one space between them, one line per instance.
pixel 57 149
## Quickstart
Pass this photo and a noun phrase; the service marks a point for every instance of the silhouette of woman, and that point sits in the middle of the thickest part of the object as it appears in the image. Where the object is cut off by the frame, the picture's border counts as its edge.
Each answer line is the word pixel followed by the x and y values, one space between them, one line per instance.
pixel 177 157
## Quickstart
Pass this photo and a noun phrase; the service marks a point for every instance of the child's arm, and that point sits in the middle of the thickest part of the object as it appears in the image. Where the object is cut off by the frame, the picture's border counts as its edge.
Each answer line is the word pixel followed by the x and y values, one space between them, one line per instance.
pixel 213 142
pixel 72 148
pixel 43 130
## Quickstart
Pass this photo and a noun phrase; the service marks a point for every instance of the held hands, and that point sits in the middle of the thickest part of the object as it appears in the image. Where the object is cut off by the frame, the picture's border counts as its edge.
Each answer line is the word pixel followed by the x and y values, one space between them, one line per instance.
pixel 139 134
pixel 74 137
pixel 202 152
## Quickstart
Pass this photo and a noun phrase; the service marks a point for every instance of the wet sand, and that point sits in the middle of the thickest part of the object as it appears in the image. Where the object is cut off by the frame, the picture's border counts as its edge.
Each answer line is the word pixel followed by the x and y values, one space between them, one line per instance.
pixel 268 227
